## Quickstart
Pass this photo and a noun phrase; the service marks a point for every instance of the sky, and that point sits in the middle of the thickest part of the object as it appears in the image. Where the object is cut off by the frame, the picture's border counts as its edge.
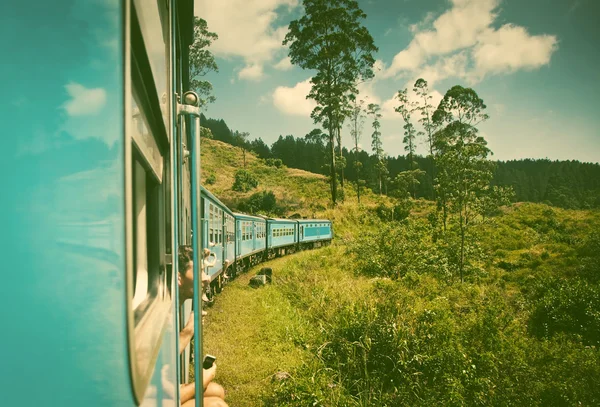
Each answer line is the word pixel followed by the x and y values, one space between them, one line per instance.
pixel 535 63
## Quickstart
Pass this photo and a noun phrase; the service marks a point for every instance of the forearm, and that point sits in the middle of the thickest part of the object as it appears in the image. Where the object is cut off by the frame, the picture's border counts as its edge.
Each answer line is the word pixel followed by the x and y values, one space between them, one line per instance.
pixel 185 336
pixel 187 392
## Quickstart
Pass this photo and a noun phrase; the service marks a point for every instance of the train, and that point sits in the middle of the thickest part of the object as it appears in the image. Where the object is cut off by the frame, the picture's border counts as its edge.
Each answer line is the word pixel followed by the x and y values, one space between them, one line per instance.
pixel 101 186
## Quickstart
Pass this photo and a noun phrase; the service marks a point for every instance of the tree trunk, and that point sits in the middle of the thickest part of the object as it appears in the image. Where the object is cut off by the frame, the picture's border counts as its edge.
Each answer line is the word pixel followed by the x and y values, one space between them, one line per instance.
pixel 462 246
pixel 332 163
pixel 357 176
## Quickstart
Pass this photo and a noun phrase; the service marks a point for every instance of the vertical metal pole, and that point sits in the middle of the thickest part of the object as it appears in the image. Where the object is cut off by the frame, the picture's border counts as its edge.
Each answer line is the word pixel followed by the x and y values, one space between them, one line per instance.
pixel 197 245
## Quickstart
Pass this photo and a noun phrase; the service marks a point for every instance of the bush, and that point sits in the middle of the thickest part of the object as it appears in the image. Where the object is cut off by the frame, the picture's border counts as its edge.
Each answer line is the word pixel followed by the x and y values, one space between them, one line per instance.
pixel 244 181
pixel 567 306
pixel 211 179
pixel 274 162
pixel 264 201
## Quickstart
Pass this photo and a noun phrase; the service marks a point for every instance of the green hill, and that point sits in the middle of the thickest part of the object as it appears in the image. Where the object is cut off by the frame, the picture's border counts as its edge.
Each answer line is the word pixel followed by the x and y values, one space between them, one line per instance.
pixel 379 319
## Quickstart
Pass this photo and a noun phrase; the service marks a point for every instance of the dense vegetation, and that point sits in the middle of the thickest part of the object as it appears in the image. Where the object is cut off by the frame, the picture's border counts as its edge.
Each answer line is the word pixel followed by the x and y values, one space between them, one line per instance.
pixel 380 317
pixel 437 289
pixel 566 184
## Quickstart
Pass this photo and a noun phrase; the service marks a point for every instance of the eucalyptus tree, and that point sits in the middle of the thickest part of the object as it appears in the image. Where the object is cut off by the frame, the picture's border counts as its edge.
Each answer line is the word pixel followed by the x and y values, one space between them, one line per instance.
pixel 374 111
pixel 202 61
pixel 241 139
pixel 424 107
pixel 357 121
pixel 406 108
pixel 461 156
pixel 330 39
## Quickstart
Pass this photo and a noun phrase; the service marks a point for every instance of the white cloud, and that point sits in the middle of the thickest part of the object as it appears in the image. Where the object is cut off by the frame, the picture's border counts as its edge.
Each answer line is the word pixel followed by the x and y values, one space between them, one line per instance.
pixel 252 72
pixel 464 36
pixel 246 30
pixel 84 101
pixel 511 48
pixel 284 65
pixel 292 101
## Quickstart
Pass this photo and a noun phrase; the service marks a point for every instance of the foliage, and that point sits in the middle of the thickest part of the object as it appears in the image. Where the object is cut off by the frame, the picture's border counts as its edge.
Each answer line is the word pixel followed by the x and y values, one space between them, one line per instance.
pixel 206 133
pixel 425 108
pixel 565 184
pixel 330 40
pixel 260 202
pixel 274 162
pixel 463 170
pixel 211 179
pixel 202 61
pixel 357 120
pixel 244 181
pixel 567 306
pixel 380 164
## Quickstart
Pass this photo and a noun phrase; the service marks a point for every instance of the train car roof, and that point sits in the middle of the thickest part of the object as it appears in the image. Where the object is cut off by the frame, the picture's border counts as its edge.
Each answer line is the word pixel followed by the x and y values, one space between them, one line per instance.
pixel 243 215
pixel 214 198
pixel 313 220
pixel 282 220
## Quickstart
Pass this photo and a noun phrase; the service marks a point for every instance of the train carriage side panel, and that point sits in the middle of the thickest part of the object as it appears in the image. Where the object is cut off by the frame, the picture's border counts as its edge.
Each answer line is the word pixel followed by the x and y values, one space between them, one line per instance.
pixel 248 242
pixel 281 232
pixel 86 220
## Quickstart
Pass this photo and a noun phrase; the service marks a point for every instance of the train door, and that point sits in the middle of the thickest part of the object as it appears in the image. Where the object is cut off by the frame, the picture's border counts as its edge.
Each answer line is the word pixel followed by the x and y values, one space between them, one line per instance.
pixel 238 237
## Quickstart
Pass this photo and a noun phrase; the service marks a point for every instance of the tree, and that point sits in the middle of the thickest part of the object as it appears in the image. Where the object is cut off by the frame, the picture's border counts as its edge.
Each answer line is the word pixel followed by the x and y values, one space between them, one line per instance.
pixel 330 40
pixel 206 133
pixel 357 120
pixel 410 135
pixel 241 139
pixel 464 172
pixel 202 61
pixel 373 110
pixel 426 109
pixel 260 148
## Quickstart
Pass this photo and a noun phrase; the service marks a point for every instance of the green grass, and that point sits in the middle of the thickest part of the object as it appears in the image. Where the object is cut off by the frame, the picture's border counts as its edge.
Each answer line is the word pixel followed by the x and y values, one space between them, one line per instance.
pixel 510 335
pixel 256 333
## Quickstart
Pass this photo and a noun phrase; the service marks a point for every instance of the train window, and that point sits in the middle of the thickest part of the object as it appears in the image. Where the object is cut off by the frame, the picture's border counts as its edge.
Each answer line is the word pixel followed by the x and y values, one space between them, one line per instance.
pixel 210 223
pixel 147 147
pixel 220 226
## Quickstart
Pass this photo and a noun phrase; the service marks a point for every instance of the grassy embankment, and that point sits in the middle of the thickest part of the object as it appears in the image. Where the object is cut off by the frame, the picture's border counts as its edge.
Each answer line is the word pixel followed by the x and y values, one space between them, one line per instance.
pixel 524 328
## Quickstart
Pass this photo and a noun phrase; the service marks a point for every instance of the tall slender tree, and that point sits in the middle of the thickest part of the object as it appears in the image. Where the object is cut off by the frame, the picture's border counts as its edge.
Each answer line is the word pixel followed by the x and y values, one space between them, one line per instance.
pixel 425 108
pixel 330 39
pixel 374 111
pixel 464 171
pixel 357 120
pixel 202 61
pixel 405 108
pixel 241 139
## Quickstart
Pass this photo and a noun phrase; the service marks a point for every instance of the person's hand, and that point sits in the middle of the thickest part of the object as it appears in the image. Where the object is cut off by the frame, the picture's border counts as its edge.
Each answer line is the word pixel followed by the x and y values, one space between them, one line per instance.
pixel 208 375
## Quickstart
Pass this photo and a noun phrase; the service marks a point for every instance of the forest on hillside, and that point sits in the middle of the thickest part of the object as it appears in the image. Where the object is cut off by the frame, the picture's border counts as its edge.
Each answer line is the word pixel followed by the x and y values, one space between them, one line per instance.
pixel 566 184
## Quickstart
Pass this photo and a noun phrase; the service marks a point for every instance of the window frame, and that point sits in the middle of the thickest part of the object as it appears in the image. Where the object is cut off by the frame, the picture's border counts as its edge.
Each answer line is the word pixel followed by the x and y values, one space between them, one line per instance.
pixel 146 322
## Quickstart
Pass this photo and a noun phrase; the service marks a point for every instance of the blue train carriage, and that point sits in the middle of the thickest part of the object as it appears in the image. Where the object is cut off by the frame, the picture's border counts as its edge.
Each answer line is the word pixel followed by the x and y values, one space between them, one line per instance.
pixel 219 237
pixel 250 240
pixel 282 237
pixel 314 232
pixel 92 217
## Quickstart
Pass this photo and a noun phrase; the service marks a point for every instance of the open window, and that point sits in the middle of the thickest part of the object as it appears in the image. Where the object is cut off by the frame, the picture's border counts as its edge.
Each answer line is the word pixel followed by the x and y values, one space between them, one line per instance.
pixel 148 189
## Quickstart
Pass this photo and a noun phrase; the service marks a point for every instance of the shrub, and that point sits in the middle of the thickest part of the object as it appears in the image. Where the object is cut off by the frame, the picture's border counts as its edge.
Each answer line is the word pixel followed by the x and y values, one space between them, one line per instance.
pixel 274 162
pixel 244 181
pixel 568 306
pixel 261 201
pixel 211 179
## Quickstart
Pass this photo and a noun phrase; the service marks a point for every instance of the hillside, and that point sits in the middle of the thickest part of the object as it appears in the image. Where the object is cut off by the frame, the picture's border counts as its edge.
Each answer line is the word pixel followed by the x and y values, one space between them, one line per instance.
pixel 379 318
pixel 297 191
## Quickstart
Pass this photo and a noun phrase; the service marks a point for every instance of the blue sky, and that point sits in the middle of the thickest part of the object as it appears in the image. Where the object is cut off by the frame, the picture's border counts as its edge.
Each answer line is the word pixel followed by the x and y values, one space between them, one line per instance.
pixel 535 63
